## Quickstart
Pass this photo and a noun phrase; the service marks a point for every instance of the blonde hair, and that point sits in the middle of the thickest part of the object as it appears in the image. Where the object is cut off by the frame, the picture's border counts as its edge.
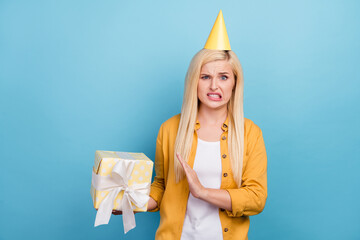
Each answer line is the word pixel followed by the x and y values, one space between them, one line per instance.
pixel 189 112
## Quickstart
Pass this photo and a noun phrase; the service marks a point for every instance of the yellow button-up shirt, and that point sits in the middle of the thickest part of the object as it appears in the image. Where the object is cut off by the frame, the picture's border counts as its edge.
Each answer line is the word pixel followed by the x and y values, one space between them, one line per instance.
pixel 172 197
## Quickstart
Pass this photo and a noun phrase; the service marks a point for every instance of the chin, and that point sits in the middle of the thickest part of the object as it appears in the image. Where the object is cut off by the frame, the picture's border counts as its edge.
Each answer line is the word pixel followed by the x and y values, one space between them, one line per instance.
pixel 214 106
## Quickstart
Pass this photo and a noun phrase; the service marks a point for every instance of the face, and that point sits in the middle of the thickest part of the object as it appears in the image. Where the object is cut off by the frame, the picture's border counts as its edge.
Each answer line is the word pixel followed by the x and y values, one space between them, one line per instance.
pixel 216 84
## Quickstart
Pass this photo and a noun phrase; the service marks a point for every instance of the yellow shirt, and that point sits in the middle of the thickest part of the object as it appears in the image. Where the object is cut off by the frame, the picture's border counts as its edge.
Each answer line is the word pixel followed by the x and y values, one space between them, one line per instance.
pixel 172 197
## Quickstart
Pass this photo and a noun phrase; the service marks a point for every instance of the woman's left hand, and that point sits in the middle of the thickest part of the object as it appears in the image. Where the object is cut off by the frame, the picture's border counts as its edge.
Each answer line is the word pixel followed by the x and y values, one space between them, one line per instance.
pixel 196 189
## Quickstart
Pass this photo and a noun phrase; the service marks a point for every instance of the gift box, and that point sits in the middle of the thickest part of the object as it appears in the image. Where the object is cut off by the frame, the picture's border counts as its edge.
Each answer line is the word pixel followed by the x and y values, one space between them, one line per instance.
pixel 120 181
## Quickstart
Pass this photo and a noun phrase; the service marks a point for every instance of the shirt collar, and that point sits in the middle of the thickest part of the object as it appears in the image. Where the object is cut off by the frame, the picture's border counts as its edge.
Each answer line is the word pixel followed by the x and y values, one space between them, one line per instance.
pixel 224 127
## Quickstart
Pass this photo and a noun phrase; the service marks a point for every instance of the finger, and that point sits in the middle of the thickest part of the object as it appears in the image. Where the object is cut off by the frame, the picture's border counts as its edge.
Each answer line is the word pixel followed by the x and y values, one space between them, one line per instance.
pixel 184 164
pixel 179 157
pixel 180 160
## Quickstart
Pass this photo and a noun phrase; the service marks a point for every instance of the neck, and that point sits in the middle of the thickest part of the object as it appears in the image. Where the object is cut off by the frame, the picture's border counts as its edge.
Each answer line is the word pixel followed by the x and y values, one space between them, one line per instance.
pixel 212 116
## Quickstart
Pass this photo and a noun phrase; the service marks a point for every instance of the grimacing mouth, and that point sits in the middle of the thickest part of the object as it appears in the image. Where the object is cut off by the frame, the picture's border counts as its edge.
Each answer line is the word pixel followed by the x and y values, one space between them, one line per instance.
pixel 213 94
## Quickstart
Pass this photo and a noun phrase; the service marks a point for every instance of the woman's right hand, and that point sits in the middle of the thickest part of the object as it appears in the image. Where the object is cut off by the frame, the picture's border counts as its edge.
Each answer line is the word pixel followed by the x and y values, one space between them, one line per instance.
pixel 152 204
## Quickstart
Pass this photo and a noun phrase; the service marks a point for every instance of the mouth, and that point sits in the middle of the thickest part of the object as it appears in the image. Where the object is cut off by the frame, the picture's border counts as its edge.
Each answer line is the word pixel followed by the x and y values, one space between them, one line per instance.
pixel 214 96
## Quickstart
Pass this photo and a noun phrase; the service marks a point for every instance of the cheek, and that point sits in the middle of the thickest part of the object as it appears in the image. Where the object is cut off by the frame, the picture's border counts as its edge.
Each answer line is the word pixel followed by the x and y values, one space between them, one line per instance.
pixel 230 89
pixel 200 88
pixel 199 92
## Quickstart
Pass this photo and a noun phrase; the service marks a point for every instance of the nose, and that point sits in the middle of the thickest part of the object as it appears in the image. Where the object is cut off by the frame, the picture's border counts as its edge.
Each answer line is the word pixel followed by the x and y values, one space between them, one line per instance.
pixel 213 85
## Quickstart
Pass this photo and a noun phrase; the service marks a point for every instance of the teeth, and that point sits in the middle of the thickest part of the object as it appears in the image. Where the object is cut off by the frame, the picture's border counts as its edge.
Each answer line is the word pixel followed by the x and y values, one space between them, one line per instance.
pixel 214 95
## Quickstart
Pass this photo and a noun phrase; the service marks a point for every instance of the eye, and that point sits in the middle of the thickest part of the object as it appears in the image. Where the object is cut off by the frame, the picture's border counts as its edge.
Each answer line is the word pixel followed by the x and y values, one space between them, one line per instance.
pixel 205 77
pixel 224 77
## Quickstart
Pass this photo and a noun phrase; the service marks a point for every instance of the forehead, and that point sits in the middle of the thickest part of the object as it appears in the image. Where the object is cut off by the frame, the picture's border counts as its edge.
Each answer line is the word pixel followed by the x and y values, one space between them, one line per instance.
pixel 217 66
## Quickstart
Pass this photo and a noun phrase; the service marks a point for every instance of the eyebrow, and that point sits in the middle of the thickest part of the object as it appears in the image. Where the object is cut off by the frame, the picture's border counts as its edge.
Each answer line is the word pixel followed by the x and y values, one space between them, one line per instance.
pixel 210 74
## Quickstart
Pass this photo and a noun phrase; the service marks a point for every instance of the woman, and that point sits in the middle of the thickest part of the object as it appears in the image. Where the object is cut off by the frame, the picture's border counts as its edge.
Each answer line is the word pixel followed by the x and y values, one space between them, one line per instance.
pixel 210 161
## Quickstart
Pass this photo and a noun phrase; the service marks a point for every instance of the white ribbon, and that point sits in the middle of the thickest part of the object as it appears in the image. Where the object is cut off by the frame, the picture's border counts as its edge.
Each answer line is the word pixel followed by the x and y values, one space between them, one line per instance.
pixel 116 182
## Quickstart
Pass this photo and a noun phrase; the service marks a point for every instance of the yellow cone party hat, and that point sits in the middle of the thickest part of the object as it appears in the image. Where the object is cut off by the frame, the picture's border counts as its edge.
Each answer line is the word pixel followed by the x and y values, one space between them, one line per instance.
pixel 218 38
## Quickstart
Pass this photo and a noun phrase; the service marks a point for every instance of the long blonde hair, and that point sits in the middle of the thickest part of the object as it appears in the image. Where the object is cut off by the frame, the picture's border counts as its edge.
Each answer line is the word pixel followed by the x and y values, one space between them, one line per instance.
pixel 189 112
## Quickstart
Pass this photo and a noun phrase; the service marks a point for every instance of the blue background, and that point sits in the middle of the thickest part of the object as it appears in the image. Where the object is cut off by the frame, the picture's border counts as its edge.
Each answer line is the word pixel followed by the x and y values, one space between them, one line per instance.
pixel 80 76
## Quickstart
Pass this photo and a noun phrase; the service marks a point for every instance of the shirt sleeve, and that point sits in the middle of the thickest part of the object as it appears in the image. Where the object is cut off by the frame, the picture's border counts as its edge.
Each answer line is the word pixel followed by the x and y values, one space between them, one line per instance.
pixel 158 186
pixel 250 198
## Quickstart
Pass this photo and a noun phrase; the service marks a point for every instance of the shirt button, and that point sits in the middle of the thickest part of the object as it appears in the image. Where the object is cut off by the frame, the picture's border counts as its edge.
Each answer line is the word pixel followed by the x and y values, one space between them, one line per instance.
pixel 225 175
pixel 223 138
pixel 224 155
pixel 226 229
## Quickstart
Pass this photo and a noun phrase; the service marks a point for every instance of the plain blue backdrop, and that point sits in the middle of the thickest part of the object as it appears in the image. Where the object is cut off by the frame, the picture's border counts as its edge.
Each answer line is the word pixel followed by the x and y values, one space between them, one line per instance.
pixel 80 76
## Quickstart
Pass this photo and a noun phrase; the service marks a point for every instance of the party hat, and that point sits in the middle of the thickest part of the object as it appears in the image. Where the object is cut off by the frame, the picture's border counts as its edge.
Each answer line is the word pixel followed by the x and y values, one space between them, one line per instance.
pixel 218 38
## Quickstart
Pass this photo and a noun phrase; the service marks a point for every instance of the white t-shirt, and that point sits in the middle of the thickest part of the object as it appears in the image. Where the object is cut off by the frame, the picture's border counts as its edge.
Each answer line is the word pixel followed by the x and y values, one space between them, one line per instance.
pixel 202 219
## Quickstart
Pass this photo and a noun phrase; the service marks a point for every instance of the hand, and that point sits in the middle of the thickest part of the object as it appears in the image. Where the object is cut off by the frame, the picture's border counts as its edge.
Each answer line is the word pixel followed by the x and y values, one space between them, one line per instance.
pixel 152 204
pixel 196 189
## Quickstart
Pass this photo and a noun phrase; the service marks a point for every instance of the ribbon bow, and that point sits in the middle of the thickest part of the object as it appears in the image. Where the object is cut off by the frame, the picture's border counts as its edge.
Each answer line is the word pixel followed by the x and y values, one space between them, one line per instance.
pixel 116 182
